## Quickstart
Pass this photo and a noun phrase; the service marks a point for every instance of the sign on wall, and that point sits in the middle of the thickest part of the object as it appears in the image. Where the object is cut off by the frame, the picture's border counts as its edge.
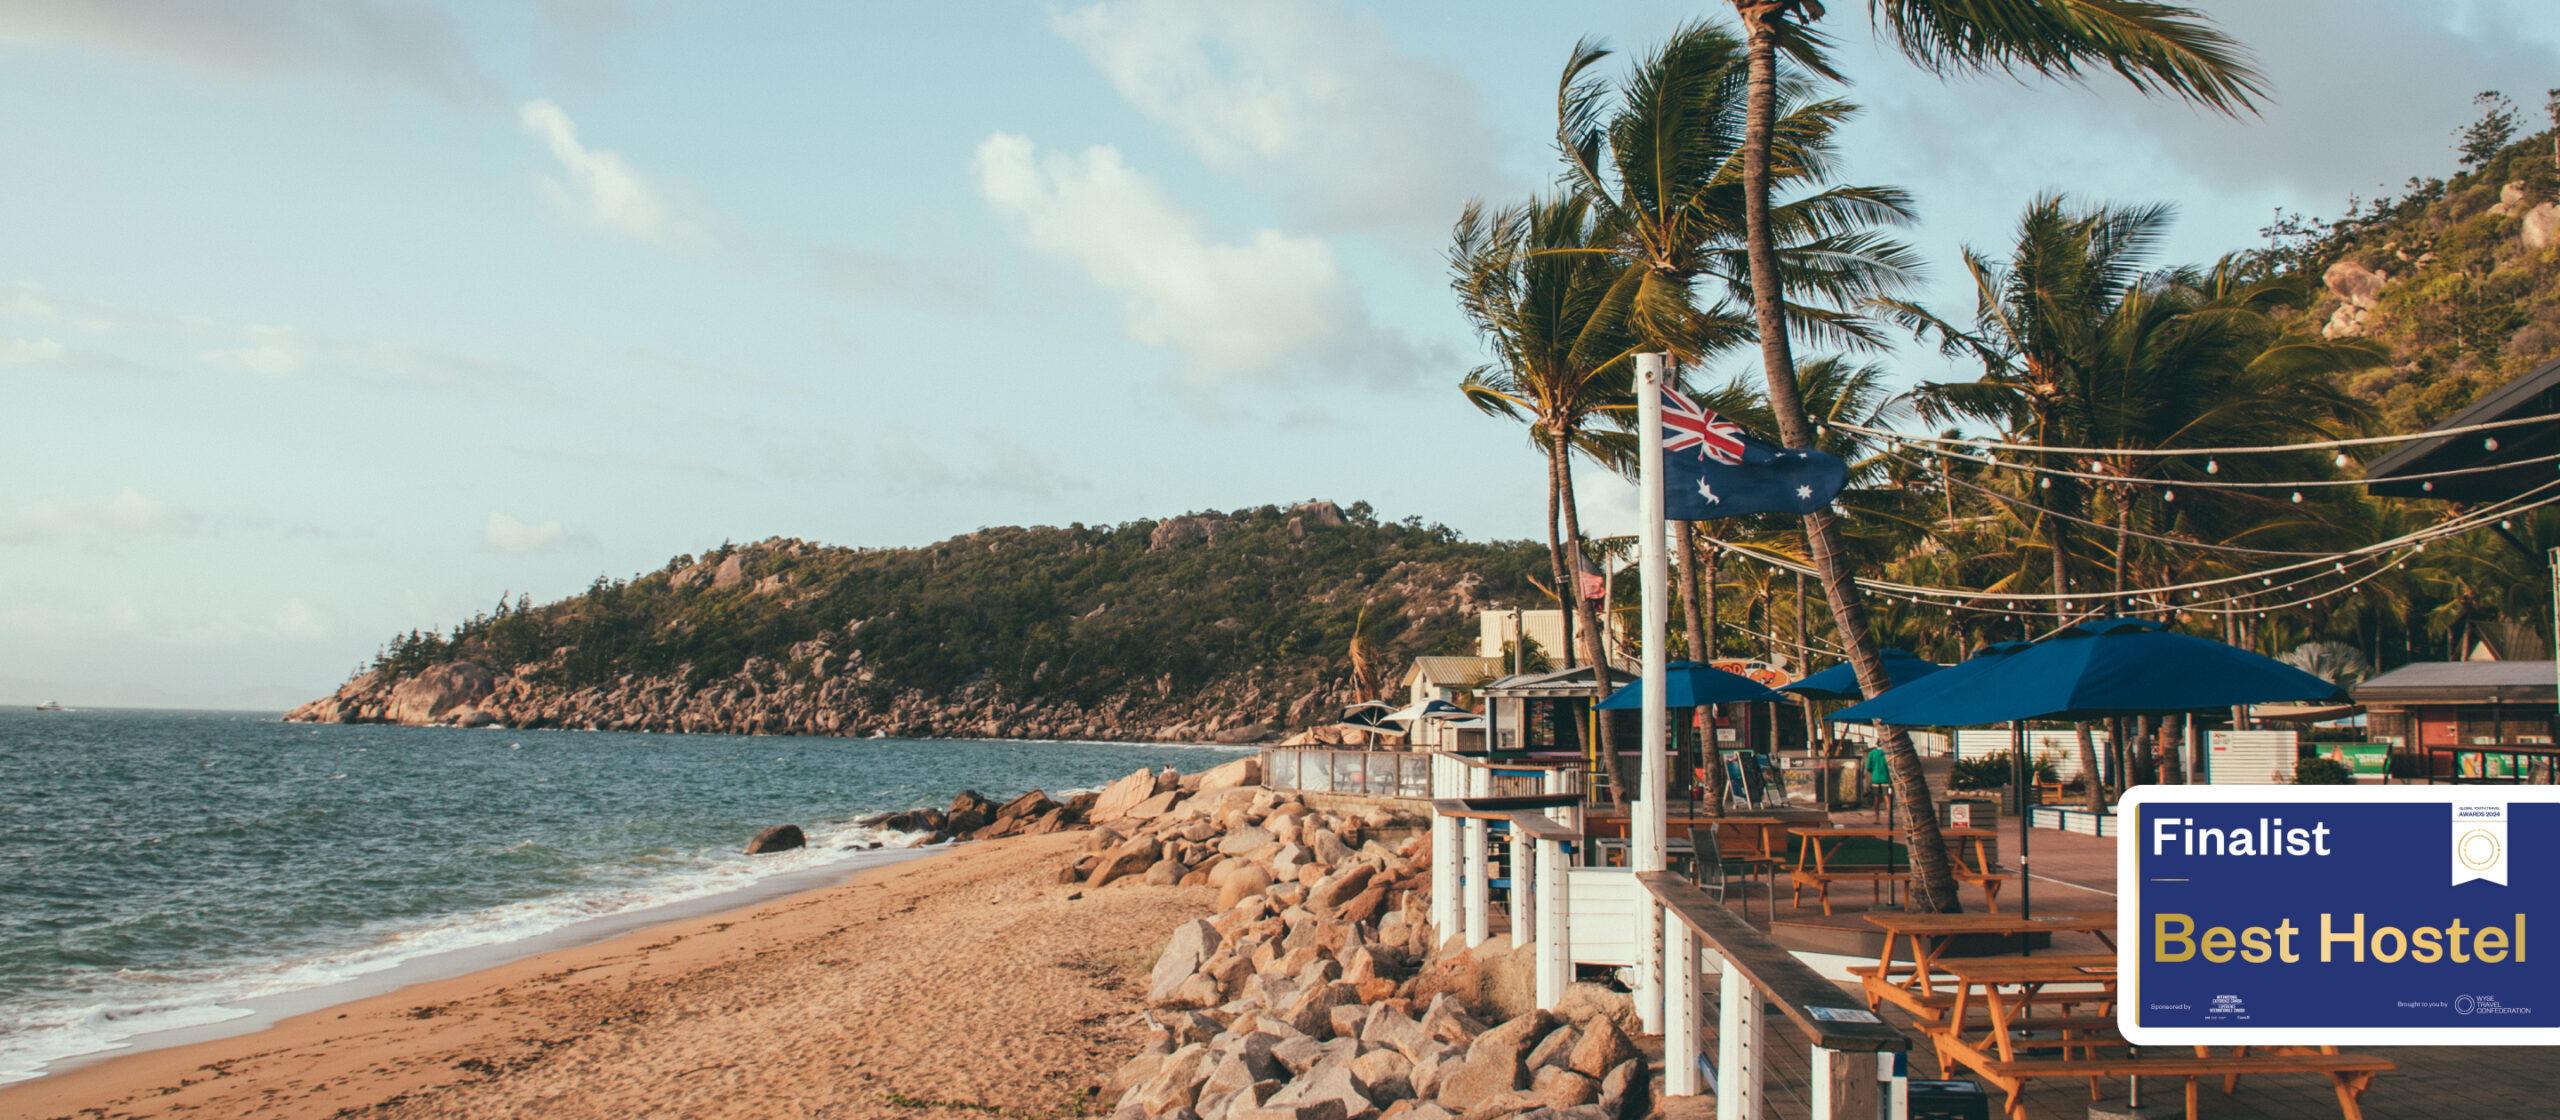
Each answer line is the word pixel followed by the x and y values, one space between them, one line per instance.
pixel 2335 915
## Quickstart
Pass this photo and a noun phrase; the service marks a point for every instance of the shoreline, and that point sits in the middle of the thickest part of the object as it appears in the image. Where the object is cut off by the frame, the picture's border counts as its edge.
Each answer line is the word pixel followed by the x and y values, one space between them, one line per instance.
pixel 260 1013
pixel 885 936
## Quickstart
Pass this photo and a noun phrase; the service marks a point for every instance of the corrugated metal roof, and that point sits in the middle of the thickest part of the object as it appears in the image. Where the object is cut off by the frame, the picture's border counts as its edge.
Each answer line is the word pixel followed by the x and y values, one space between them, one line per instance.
pixel 1561 682
pixel 2448 680
pixel 1454 669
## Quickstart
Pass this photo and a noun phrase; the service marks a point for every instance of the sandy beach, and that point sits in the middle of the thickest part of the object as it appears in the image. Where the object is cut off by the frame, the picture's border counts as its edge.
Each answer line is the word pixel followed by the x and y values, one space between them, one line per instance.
pixel 957 985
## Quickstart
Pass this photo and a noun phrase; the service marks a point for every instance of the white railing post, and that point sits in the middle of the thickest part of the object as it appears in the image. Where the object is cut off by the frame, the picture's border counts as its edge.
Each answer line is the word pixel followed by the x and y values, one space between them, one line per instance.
pixel 1479 916
pixel 1844 1086
pixel 1555 948
pixel 1526 886
pixel 1555 944
pixel 1445 906
pixel 1648 835
pixel 1680 1045
pixel 1738 1045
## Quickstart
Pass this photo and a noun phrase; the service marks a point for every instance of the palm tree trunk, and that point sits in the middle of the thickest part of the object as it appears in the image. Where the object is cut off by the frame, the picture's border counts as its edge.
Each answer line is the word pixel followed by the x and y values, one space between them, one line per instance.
pixel 1563 570
pixel 1560 455
pixel 1933 884
pixel 1694 613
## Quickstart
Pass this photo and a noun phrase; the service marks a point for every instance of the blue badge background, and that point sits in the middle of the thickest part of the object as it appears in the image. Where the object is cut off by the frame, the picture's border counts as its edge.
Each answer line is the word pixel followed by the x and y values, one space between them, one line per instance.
pixel 2392 862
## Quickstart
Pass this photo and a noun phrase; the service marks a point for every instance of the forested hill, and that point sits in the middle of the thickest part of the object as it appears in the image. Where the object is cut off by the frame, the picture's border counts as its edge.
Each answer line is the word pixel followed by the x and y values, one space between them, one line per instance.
pixel 2458 278
pixel 1205 626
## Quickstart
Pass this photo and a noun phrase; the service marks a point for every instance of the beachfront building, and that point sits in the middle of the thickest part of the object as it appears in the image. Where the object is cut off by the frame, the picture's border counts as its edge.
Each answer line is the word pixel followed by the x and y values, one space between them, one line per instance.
pixel 1448 680
pixel 2467 721
pixel 1551 712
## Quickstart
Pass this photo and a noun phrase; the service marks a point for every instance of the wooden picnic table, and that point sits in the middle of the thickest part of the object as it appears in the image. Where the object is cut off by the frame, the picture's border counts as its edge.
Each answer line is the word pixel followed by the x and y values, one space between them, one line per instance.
pixel 1913 987
pixel 2084 1043
pixel 1821 842
pixel 1766 832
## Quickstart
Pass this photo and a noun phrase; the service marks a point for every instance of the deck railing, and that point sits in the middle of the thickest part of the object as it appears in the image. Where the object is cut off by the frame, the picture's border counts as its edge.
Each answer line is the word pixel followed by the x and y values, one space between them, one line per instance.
pixel 1857 1069
pixel 1333 770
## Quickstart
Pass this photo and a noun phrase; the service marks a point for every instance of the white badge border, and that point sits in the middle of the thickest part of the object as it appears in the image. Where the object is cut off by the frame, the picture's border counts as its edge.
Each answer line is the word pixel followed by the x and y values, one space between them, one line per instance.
pixel 2130 935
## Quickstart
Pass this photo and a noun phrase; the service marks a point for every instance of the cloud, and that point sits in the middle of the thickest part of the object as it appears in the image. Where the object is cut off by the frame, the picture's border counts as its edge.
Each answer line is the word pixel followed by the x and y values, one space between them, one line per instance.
pixel 127 515
pixel 600 190
pixel 915 463
pixel 31 352
pixel 1272 307
pixel 152 341
pixel 1306 95
pixel 359 42
pixel 517 537
pixel 299 619
pixel 265 351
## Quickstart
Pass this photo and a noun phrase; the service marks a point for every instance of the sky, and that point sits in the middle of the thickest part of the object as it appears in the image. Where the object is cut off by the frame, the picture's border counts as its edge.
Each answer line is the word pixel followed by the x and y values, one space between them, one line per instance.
pixel 322 321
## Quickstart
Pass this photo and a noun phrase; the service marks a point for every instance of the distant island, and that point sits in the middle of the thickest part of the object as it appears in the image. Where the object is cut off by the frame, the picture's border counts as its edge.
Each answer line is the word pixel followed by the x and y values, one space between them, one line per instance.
pixel 1211 627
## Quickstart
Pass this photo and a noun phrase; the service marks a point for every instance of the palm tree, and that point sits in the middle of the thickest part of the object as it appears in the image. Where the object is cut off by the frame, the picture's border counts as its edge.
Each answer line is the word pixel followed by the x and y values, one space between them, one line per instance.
pixel 2159 48
pixel 1557 326
pixel 2081 346
pixel 1658 159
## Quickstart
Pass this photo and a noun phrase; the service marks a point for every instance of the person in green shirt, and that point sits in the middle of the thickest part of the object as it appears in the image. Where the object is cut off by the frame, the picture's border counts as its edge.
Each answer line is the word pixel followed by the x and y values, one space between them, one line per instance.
pixel 1879 778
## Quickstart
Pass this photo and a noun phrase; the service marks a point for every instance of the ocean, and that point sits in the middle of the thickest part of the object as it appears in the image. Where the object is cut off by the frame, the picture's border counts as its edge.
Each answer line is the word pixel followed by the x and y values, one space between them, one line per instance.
pixel 166 871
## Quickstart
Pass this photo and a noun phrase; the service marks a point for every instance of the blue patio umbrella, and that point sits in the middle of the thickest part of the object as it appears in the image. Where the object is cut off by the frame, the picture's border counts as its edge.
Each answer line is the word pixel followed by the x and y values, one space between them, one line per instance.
pixel 2096 669
pixel 1691 685
pixel 1840 682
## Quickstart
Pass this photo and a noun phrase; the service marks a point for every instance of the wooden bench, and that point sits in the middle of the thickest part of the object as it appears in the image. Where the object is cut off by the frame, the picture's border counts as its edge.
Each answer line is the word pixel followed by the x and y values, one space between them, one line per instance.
pixel 2349 1074
pixel 1989 881
pixel 1800 878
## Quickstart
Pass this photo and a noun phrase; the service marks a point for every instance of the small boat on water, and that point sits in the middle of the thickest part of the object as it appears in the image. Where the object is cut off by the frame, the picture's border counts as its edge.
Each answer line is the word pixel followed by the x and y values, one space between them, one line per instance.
pixel 50 706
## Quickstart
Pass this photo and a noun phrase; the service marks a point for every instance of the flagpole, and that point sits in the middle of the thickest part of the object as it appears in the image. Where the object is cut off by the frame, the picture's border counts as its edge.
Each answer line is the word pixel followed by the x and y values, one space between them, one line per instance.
pixel 1650 824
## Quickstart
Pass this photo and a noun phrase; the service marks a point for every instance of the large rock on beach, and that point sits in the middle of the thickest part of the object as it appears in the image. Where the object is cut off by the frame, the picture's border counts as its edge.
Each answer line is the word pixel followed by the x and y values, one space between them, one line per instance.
pixel 1119 797
pixel 779 838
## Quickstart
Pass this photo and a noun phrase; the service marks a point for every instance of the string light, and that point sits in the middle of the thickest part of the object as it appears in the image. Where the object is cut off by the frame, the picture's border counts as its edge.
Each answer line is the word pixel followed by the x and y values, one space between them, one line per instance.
pixel 2490 443
pixel 2342 460
pixel 2213 466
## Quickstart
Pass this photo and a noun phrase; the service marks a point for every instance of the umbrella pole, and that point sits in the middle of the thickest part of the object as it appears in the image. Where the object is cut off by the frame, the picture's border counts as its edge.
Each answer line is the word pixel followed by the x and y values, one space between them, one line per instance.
pixel 2026 836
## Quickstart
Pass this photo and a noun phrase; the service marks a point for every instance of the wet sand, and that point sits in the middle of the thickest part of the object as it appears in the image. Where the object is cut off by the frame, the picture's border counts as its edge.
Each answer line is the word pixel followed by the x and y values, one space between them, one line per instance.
pixel 954 986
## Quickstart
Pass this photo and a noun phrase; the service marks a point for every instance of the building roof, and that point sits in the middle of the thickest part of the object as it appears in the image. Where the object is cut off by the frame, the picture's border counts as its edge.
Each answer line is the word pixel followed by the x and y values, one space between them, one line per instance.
pixel 2515 682
pixel 1453 670
pixel 2534 394
pixel 1576 681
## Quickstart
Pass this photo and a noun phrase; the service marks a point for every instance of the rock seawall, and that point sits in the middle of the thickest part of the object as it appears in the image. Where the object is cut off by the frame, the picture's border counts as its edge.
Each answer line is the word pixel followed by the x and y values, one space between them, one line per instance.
pixel 1318 991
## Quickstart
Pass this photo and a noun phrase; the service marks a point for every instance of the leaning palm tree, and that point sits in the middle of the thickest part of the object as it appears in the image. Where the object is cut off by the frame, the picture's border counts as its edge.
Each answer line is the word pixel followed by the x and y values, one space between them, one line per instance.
pixel 2159 48
pixel 1668 156
pixel 1552 316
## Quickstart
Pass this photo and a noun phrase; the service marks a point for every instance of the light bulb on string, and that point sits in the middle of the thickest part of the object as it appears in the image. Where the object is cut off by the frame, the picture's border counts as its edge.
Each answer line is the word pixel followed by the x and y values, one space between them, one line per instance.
pixel 2212 466
pixel 2342 460
pixel 2168 495
pixel 2297 497
pixel 2490 443
pixel 2503 523
pixel 2429 486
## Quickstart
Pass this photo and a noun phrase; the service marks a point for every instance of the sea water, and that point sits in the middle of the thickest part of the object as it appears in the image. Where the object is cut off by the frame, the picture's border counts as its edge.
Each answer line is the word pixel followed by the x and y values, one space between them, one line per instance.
pixel 167 870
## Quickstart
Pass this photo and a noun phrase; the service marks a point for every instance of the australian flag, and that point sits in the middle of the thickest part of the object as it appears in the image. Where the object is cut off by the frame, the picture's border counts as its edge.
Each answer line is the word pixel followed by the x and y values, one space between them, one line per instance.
pixel 1711 468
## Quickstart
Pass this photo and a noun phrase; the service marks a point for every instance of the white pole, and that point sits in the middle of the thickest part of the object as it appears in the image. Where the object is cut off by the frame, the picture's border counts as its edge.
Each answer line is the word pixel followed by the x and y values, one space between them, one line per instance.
pixel 1477 840
pixel 1649 825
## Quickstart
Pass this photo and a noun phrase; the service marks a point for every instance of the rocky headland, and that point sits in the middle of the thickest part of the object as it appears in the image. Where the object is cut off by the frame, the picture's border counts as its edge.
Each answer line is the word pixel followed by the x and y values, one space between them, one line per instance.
pixel 1208 627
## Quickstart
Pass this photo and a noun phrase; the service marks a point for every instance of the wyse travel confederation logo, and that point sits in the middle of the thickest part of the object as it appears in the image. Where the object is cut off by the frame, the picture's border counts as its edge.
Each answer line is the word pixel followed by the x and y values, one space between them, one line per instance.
pixel 2338 915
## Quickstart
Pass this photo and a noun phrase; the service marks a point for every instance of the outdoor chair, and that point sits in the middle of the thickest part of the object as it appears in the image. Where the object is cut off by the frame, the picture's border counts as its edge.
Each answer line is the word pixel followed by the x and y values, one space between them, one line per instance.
pixel 1715 873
